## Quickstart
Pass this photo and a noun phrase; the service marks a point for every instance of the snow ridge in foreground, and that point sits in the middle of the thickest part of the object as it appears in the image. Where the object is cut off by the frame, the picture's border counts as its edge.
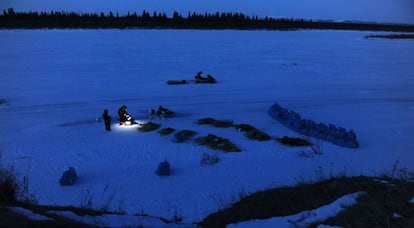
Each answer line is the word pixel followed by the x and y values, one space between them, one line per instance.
pixel 305 218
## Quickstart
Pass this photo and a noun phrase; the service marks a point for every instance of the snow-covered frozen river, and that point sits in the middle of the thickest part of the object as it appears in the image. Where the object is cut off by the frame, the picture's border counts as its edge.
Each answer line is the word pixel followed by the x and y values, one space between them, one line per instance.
pixel 55 83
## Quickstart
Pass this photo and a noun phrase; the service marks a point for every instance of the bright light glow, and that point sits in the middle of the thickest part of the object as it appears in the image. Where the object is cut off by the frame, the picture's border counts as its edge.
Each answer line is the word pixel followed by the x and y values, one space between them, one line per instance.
pixel 118 127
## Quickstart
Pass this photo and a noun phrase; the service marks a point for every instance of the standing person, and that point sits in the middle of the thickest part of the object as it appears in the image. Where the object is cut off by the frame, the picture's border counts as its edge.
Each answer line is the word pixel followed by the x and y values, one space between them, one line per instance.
pixel 107 119
pixel 198 75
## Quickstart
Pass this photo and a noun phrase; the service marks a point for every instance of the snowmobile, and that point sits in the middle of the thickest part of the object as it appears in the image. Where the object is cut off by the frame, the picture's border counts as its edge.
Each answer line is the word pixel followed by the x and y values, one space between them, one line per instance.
pixel 161 113
pixel 201 79
pixel 197 79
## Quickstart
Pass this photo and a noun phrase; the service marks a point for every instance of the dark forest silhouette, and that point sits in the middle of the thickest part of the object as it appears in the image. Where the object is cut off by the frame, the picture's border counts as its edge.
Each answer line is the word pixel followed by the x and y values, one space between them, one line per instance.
pixel 240 21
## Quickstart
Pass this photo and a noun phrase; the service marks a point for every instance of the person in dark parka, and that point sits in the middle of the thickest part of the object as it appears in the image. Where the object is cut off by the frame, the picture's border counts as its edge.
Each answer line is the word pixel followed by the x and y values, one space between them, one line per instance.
pixel 107 119
pixel 124 117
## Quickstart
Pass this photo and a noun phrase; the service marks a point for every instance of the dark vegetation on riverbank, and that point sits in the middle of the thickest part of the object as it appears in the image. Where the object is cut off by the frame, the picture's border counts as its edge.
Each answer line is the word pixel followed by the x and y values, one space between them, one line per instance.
pixel 384 202
pixel 10 19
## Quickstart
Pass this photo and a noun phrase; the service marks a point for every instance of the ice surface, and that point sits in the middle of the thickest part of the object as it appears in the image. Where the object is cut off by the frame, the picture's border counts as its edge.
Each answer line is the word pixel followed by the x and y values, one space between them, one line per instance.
pixel 55 83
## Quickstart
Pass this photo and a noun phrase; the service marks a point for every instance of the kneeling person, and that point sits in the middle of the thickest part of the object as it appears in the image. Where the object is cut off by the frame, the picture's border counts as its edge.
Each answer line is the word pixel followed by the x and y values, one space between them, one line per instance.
pixel 124 117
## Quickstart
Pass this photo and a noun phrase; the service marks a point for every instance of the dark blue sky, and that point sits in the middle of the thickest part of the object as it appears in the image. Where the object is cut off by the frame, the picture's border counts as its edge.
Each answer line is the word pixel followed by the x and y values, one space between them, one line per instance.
pixel 396 11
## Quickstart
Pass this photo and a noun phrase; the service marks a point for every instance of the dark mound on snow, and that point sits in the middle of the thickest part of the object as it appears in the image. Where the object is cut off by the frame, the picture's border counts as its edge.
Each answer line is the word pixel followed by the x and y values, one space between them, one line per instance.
pixel 218 143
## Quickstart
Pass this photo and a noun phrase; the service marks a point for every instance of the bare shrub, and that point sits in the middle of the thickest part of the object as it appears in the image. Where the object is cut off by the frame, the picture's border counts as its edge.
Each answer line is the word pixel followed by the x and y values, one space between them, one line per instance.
pixel 313 150
pixel 209 159
pixel 9 186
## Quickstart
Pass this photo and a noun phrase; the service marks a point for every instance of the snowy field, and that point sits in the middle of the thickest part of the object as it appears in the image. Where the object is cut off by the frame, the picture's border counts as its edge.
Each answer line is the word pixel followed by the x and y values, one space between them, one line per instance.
pixel 55 83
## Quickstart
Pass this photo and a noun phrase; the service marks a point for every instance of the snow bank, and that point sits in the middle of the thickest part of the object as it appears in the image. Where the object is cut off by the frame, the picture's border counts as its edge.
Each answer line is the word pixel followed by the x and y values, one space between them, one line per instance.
pixel 113 220
pixel 305 218
pixel 29 214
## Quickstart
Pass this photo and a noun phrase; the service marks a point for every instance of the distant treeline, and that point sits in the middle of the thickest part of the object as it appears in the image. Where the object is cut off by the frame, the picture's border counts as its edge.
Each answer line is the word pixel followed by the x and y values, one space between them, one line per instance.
pixel 392 36
pixel 55 19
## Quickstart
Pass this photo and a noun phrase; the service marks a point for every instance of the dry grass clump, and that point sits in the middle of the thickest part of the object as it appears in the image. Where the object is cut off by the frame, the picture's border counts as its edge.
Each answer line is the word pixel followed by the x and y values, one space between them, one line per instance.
pixel 209 159
pixel 166 131
pixel 218 143
pixel 215 123
pixel 150 126
pixel 9 187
